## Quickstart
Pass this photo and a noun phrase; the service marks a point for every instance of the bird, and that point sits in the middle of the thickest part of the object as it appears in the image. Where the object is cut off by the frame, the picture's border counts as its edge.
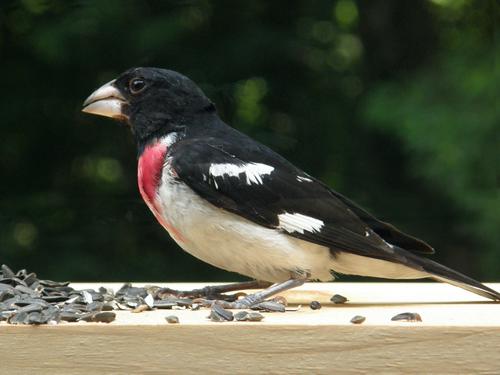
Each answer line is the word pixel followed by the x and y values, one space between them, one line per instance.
pixel 236 204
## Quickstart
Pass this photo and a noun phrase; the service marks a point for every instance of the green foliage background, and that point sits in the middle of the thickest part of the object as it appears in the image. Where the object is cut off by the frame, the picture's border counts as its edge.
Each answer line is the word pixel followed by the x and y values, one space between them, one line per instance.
pixel 393 103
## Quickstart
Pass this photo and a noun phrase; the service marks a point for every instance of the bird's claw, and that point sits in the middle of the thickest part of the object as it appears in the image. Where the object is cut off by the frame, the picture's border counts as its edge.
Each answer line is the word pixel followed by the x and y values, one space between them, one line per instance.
pixel 206 293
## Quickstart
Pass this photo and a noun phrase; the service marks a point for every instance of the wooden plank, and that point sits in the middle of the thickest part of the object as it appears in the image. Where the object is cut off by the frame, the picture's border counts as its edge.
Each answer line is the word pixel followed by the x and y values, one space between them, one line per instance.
pixel 233 349
pixel 461 335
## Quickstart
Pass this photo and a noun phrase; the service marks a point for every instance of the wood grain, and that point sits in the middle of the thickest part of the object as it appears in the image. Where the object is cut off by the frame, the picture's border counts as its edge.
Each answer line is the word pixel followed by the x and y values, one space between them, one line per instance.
pixel 459 336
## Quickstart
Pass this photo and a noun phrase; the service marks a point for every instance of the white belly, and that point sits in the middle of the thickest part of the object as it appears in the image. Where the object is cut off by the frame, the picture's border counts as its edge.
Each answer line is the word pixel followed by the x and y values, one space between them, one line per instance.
pixel 228 241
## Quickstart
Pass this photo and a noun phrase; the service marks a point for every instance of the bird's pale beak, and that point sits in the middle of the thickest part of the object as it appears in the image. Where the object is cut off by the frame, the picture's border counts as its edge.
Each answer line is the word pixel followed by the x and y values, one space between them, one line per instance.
pixel 106 101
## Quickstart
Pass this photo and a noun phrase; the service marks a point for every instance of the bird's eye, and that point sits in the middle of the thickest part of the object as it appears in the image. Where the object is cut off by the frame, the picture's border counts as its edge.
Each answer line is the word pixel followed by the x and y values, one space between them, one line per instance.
pixel 136 85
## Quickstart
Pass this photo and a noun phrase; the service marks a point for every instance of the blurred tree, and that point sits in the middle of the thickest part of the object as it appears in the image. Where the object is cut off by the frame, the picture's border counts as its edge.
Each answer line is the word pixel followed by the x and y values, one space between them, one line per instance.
pixel 446 117
pixel 348 90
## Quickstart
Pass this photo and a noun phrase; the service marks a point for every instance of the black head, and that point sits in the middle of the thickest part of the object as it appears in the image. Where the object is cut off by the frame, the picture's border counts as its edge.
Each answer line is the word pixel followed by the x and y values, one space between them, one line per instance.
pixel 152 101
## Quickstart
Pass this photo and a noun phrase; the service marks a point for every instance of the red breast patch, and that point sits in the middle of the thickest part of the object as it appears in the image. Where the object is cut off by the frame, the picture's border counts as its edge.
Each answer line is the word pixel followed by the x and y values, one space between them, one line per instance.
pixel 149 172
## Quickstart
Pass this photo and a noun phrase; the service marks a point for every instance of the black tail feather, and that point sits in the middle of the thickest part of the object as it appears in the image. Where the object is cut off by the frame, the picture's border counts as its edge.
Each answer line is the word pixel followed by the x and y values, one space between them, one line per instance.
pixel 442 273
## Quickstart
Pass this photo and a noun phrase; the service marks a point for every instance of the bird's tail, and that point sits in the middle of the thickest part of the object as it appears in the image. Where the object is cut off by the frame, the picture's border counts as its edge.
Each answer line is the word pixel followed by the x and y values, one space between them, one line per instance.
pixel 442 273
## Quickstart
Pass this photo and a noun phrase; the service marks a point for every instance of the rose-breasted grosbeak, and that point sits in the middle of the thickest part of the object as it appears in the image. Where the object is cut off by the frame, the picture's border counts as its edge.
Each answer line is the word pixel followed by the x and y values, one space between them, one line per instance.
pixel 234 203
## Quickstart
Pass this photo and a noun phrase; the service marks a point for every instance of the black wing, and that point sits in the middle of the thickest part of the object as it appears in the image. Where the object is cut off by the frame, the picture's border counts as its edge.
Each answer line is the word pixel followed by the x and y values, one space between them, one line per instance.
pixel 285 189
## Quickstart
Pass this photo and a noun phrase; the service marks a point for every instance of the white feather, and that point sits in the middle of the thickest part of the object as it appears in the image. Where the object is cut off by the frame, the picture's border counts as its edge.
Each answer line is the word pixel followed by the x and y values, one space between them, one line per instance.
pixel 303 179
pixel 299 223
pixel 169 139
pixel 253 171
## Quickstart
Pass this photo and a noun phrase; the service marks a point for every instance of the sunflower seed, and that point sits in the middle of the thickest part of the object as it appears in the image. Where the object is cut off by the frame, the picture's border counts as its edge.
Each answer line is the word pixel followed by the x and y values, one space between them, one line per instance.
pixel 131 291
pixel 71 300
pixel 30 279
pixel 26 290
pixel 7 294
pixel 69 316
pixel 269 306
pixel 13 281
pixel 7 272
pixel 54 298
pixel 18 318
pixel 34 307
pixel 104 317
pixel 21 273
pixel 109 306
pixel 141 308
pixel 338 299
pixel 407 317
pixel 87 297
pixel 215 317
pixel 358 319
pixel 107 294
pixel 24 300
pixel 6 314
pixel 6 287
pixel 315 305
pixel 54 284
pixel 219 314
pixel 163 304
pixel 35 318
pixel 94 306
pixel 185 302
pixel 88 317
pixel 241 316
pixel 51 313
pixel 254 317
pixel 172 319
pixel 150 301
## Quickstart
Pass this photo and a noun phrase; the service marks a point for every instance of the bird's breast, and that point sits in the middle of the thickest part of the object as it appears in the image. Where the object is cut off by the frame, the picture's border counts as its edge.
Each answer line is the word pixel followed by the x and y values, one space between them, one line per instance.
pixel 149 173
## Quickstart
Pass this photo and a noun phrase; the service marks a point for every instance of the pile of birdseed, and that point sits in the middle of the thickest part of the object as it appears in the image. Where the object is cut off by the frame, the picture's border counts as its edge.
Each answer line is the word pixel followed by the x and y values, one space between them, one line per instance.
pixel 25 299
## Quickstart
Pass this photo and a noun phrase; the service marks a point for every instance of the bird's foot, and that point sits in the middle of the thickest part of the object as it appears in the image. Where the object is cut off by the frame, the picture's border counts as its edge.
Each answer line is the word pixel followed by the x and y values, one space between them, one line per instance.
pixel 258 299
pixel 216 292
pixel 207 292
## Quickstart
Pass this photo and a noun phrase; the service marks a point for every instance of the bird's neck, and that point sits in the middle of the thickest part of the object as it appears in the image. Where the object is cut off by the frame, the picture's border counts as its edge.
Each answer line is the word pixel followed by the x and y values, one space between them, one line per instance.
pixel 175 129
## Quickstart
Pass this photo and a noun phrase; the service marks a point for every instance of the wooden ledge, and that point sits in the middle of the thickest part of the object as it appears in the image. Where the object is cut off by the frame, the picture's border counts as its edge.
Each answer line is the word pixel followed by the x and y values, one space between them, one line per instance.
pixel 460 333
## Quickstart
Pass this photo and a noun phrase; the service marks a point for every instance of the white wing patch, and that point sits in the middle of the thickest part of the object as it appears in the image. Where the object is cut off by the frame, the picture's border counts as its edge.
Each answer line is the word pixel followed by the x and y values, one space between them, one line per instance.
pixel 299 223
pixel 303 179
pixel 253 172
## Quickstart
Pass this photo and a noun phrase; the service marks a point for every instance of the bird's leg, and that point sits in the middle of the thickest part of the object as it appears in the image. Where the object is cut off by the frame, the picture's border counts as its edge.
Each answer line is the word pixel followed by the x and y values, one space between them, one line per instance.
pixel 261 296
pixel 215 291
